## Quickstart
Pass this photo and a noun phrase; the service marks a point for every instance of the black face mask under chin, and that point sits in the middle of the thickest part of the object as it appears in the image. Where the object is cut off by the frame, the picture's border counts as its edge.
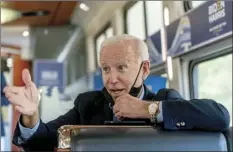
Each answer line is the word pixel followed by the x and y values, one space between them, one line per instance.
pixel 135 92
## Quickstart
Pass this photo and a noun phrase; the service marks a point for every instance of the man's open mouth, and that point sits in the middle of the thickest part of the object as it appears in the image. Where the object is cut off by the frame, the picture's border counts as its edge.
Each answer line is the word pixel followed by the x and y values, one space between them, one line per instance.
pixel 116 91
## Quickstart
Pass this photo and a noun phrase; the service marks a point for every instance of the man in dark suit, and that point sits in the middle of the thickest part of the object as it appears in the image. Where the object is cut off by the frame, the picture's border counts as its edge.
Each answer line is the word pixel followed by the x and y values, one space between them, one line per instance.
pixel 125 65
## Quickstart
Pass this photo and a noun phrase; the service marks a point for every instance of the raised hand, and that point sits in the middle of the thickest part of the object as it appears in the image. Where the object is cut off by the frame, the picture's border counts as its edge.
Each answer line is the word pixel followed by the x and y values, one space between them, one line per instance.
pixel 24 99
pixel 127 106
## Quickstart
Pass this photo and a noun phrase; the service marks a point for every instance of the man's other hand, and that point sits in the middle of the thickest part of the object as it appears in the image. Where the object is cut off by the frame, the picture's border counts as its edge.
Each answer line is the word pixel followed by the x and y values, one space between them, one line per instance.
pixel 130 107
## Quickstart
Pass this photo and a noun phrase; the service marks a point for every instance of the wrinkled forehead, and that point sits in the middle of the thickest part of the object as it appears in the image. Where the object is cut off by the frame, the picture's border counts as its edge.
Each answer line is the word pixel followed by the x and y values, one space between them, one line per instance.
pixel 121 51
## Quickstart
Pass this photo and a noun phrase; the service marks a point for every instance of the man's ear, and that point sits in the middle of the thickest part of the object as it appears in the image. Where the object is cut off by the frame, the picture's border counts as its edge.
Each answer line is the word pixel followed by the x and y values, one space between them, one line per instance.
pixel 146 69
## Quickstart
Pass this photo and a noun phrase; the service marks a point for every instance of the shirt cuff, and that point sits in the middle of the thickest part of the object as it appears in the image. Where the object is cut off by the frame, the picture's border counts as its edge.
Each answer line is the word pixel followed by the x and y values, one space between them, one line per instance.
pixel 160 115
pixel 26 133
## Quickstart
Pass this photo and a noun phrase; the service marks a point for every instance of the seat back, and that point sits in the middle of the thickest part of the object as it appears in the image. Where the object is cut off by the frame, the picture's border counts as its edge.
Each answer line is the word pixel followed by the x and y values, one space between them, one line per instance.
pixel 146 139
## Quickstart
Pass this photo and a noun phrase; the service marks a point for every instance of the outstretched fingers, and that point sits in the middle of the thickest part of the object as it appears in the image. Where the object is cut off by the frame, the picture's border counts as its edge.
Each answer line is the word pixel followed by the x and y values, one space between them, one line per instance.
pixel 12 89
pixel 14 99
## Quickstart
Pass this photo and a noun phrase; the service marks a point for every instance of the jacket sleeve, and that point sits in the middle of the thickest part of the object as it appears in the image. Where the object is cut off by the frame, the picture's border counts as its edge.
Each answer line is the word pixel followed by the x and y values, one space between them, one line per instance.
pixel 45 138
pixel 204 114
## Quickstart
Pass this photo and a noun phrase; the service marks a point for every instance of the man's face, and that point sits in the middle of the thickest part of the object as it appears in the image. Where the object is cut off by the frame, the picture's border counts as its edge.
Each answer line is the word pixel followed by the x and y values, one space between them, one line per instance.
pixel 120 65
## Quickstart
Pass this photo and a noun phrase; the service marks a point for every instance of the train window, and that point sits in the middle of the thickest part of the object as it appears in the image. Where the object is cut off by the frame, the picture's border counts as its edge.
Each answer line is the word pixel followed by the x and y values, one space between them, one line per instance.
pixel 144 18
pixel 195 4
pixel 104 34
pixel 135 20
pixel 213 79
pixel 154 16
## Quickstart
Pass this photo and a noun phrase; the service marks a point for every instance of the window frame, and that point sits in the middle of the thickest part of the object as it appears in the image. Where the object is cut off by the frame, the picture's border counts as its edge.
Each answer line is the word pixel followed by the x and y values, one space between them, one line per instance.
pixel 187 5
pixel 158 71
pixel 193 63
pixel 101 31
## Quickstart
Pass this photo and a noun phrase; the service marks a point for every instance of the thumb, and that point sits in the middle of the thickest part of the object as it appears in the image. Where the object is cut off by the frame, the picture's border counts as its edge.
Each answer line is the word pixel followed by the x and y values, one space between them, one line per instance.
pixel 26 77
pixel 119 98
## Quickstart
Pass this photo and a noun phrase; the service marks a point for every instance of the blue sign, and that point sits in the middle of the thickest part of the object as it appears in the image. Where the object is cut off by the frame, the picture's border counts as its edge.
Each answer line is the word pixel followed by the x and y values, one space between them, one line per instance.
pixel 50 73
pixel 206 23
pixel 179 36
pixel 211 20
pixel 98 81
pixel 155 83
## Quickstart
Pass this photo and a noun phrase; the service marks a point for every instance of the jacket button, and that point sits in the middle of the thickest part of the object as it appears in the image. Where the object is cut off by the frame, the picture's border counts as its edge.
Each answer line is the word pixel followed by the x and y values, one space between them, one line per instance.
pixel 182 124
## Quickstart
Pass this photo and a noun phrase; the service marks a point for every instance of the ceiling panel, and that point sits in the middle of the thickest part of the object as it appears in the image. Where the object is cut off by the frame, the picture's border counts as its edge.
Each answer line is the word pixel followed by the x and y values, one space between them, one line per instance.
pixel 60 12
pixel 11 32
pixel 65 9
pixel 33 5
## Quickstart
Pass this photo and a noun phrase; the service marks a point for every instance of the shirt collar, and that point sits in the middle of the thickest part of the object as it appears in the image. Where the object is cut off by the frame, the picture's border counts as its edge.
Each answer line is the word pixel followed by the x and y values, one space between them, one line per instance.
pixel 142 94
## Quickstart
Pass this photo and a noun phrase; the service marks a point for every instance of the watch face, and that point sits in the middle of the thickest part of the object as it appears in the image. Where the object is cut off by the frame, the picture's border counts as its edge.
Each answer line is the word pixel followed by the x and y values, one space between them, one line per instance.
pixel 153 108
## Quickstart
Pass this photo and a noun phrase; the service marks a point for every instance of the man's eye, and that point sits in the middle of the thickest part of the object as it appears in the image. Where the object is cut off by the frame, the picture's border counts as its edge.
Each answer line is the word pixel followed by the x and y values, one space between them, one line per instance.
pixel 105 69
pixel 122 68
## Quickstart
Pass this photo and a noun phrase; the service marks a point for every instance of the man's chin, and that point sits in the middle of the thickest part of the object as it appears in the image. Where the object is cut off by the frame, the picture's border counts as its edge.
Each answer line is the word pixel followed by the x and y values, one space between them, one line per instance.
pixel 116 95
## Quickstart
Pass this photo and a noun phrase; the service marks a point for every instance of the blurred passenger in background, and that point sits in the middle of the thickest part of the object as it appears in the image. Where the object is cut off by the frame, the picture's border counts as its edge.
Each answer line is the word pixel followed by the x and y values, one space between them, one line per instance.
pixel 125 65
pixel 4 101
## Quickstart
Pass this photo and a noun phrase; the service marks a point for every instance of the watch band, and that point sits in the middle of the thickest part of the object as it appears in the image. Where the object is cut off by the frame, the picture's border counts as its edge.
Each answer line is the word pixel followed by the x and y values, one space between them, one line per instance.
pixel 153 117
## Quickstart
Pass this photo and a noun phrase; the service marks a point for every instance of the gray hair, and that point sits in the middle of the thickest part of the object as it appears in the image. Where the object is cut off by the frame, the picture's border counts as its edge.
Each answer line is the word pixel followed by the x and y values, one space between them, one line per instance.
pixel 140 45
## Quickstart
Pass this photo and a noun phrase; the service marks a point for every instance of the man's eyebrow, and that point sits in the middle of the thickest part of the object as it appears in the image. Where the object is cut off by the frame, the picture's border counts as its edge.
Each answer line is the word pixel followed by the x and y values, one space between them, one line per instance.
pixel 122 63
pixel 125 59
pixel 104 64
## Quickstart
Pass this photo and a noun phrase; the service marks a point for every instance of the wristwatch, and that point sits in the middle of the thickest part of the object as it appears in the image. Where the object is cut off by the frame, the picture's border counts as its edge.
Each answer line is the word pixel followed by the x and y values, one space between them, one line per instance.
pixel 153 110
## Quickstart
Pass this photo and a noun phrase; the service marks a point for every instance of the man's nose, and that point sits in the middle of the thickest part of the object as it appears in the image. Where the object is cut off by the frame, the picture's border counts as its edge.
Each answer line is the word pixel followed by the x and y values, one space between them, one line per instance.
pixel 113 77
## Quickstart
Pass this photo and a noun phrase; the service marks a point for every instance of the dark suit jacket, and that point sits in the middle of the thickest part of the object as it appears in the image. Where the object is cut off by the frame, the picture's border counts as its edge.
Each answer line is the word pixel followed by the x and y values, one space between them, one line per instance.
pixel 92 108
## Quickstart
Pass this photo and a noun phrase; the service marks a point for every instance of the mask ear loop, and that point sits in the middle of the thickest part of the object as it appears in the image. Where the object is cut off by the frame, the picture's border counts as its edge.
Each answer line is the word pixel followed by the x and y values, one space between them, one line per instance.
pixel 137 75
